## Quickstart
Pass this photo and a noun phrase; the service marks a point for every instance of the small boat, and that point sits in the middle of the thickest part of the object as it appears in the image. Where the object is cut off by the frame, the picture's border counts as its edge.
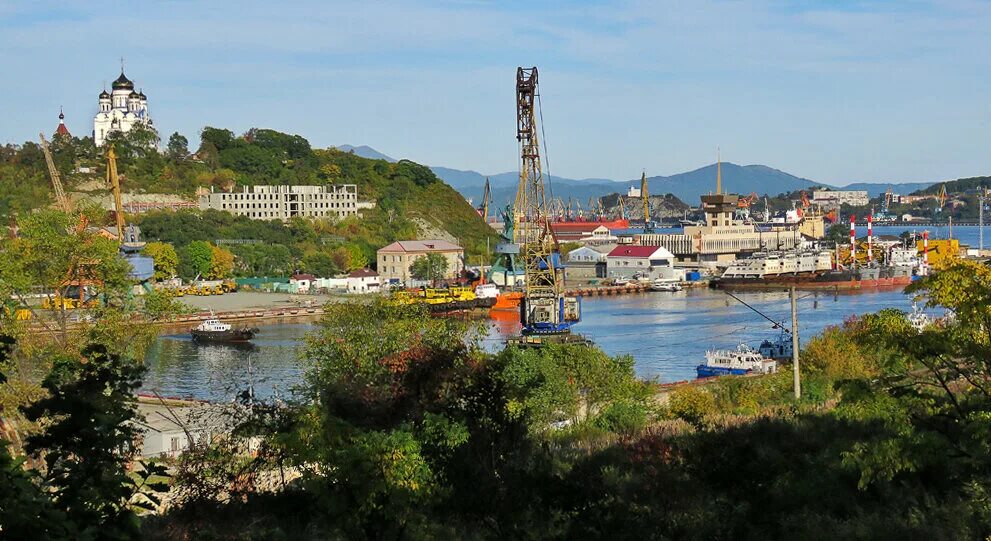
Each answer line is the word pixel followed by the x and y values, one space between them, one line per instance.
pixel 777 349
pixel 664 285
pixel 743 360
pixel 620 282
pixel 213 330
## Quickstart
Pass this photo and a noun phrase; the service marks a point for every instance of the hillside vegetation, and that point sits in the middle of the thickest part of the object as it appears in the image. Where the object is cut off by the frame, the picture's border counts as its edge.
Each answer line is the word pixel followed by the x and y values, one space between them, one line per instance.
pixel 410 201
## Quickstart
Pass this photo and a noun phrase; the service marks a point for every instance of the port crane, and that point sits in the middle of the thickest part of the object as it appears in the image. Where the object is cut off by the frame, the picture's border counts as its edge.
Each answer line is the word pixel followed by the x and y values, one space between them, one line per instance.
pixel 61 200
pixel 113 179
pixel 544 308
pixel 648 227
pixel 486 197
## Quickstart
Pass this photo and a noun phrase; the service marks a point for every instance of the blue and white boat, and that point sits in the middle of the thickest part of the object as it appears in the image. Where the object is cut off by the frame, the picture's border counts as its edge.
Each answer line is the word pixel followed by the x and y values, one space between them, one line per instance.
pixel 743 360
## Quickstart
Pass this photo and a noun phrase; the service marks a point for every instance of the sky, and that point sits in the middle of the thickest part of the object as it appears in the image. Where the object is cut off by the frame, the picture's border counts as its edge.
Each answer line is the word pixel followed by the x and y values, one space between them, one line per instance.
pixel 836 91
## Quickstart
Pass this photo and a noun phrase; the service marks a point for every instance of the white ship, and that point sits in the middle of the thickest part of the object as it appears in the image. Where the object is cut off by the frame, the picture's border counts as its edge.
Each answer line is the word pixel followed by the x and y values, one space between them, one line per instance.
pixel 743 360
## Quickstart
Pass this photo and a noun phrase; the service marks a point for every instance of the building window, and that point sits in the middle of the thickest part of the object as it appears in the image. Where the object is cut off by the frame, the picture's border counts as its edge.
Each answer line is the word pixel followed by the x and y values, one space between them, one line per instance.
pixel 174 444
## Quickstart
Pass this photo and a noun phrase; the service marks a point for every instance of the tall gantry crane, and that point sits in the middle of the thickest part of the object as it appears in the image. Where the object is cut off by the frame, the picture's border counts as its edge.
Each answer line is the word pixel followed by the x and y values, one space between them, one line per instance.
pixel 486 197
pixel 544 309
pixel 61 200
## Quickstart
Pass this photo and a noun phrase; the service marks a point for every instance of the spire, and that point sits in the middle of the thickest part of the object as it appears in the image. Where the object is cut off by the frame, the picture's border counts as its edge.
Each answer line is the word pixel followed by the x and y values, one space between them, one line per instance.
pixel 719 173
pixel 61 130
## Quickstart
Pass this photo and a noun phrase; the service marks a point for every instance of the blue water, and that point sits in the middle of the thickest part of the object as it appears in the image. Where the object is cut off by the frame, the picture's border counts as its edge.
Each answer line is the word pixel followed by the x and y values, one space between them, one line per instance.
pixel 666 333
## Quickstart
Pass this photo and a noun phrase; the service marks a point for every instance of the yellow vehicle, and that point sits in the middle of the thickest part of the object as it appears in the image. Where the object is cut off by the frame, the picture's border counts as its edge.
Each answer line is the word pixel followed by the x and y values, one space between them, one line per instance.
pixel 217 290
pixel 229 286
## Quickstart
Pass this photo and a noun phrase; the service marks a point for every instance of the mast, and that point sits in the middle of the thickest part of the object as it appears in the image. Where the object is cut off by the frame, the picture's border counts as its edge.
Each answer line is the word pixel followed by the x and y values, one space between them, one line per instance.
pixel 719 173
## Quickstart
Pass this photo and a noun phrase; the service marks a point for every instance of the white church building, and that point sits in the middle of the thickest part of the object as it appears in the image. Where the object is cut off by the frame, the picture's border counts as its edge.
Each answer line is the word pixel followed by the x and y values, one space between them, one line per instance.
pixel 120 110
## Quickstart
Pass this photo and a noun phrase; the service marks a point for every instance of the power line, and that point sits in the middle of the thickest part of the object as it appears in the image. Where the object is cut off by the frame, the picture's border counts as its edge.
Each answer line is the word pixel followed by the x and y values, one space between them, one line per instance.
pixel 777 324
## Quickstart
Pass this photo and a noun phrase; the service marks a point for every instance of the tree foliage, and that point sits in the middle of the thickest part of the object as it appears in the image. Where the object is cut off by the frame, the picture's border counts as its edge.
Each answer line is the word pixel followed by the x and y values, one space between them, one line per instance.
pixel 431 267
pixel 166 260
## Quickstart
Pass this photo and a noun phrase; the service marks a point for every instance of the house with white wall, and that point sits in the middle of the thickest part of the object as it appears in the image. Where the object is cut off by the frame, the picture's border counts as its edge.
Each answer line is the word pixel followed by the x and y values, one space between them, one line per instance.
pixel 644 262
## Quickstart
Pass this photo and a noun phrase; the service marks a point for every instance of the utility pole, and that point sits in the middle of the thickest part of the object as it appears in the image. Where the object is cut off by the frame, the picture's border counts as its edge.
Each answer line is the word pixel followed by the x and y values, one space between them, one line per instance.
pixel 794 345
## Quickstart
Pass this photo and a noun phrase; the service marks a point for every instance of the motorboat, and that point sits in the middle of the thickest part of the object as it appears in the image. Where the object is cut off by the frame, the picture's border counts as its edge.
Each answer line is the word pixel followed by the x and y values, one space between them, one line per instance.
pixel 665 285
pixel 214 330
pixel 742 360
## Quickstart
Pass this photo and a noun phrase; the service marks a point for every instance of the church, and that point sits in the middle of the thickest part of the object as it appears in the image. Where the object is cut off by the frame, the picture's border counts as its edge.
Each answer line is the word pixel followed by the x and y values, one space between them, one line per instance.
pixel 120 110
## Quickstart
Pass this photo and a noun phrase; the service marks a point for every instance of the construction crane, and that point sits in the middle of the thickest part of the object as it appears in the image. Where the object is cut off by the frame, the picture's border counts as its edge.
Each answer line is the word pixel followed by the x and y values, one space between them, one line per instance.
pixel 544 309
pixel 483 210
pixel 61 200
pixel 747 201
pixel 113 179
pixel 941 197
pixel 645 199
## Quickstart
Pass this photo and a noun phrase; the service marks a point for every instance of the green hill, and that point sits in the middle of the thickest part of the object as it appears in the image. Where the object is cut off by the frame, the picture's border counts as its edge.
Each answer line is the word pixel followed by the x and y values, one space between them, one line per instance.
pixel 410 201
pixel 956 186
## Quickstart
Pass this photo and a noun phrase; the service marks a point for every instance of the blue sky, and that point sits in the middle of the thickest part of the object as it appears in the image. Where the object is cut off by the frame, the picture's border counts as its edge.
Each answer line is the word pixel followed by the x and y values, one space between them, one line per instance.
pixel 837 91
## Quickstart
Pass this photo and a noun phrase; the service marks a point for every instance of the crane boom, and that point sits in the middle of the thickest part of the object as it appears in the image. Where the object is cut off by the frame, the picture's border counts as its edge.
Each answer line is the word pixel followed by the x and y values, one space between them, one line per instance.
pixel 114 180
pixel 61 200
pixel 646 202
pixel 485 201
pixel 544 308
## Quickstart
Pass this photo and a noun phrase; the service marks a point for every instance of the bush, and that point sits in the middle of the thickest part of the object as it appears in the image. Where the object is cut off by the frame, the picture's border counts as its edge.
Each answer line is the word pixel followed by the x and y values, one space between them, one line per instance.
pixel 692 404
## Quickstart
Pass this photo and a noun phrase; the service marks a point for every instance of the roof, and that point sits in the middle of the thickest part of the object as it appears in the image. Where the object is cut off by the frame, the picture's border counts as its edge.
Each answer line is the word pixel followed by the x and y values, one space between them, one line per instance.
pixel 421 246
pixel 303 276
pixel 362 273
pixel 123 82
pixel 62 130
pixel 639 251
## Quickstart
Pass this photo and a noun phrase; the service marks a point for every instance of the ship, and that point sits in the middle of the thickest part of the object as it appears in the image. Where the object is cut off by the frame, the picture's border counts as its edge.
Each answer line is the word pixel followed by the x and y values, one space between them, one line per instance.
pixel 743 360
pixel 213 330
pixel 809 270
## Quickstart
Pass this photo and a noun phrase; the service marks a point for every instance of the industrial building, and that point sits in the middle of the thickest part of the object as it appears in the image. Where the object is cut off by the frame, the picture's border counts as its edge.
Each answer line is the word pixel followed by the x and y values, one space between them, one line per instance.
pixel 285 202
pixel 835 198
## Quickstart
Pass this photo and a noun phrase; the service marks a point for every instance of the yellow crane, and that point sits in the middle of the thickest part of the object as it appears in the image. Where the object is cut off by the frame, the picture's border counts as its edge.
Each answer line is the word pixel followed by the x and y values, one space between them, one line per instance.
pixel 645 197
pixel 113 179
pixel 61 200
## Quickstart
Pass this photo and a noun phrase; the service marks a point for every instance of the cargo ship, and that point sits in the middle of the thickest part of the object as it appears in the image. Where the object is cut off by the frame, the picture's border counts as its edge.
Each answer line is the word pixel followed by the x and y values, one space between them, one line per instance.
pixel 810 270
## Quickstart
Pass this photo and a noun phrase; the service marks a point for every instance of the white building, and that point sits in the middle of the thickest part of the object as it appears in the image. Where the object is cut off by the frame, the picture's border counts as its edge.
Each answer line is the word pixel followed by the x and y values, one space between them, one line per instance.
pixel 364 281
pixel 644 262
pixel 285 202
pixel 120 110
pixel 835 198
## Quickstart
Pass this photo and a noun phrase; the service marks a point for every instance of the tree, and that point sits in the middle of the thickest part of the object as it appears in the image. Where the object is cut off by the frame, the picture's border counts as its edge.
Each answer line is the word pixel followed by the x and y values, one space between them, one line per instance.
pixel 430 267
pixel 88 440
pixel 178 147
pixel 320 264
pixel 221 263
pixel 195 259
pixel 165 257
pixel 838 234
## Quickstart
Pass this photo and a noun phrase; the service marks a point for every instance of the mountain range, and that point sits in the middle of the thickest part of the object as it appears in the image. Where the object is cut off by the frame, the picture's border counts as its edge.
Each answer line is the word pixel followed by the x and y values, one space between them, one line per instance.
pixel 688 186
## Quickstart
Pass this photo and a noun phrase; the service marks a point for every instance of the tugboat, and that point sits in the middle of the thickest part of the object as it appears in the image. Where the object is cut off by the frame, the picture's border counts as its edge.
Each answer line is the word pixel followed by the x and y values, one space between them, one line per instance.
pixel 213 330
pixel 777 349
pixel 735 363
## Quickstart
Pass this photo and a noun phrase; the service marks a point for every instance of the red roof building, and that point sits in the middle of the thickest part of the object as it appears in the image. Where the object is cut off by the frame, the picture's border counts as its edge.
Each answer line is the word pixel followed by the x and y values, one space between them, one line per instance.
pixel 61 129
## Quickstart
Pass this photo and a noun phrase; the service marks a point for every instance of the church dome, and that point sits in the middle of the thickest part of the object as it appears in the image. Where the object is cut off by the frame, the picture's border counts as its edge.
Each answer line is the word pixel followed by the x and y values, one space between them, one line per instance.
pixel 123 82
pixel 104 95
pixel 142 95
pixel 134 95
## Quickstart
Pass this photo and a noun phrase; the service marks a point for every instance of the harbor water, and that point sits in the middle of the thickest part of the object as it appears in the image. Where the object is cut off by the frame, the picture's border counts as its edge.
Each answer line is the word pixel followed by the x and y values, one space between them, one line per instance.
pixel 667 334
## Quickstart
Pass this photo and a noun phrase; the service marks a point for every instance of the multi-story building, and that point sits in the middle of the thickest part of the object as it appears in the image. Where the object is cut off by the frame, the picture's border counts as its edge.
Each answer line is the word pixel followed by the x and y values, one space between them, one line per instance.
pixel 284 202
pixel 835 198
pixel 395 260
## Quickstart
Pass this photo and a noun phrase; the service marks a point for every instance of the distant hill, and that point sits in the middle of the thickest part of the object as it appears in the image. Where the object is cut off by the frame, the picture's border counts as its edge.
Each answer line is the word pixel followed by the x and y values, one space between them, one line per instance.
pixel 686 186
pixel 956 186
pixel 365 151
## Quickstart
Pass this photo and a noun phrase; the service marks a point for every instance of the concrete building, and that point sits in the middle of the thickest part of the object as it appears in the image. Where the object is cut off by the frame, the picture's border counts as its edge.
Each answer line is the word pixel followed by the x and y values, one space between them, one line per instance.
pixel 364 281
pixel 120 110
pixel 303 282
pixel 284 202
pixel 835 198
pixel 643 262
pixel 395 260
pixel 169 428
